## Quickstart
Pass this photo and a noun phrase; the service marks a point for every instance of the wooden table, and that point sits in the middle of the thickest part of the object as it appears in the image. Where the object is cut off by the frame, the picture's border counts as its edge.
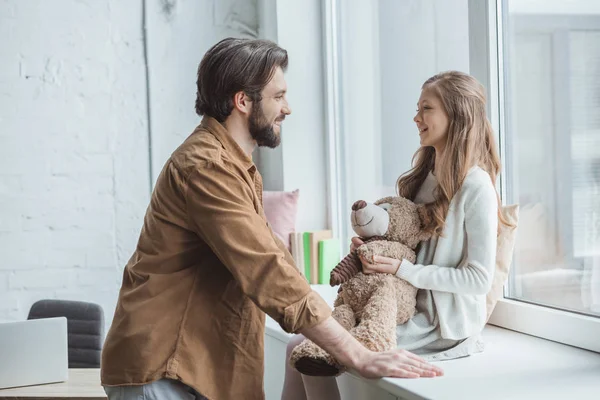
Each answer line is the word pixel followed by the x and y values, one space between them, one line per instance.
pixel 82 384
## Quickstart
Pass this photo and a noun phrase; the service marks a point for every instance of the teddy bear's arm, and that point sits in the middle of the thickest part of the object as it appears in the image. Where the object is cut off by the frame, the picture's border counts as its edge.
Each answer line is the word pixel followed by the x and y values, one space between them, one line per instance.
pixel 387 248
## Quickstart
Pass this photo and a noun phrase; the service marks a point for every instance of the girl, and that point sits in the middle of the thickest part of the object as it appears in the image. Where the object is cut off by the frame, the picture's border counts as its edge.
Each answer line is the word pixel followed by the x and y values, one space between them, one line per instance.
pixel 454 172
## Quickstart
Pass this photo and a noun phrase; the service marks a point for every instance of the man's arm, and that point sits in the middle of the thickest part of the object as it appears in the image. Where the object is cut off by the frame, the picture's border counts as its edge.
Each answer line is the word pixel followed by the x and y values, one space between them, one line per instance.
pixel 221 208
pixel 332 337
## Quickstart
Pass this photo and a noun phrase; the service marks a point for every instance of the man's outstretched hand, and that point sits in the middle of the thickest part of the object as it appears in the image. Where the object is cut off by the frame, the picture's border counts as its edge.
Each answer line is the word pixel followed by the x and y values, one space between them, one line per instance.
pixel 395 363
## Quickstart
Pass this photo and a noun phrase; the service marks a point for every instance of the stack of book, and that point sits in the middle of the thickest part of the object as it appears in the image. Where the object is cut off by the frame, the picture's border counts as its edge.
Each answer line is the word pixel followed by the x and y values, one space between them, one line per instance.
pixel 316 254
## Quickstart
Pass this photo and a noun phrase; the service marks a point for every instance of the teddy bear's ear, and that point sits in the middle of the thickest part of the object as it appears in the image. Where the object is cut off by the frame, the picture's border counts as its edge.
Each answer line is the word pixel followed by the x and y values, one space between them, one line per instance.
pixel 388 199
pixel 426 220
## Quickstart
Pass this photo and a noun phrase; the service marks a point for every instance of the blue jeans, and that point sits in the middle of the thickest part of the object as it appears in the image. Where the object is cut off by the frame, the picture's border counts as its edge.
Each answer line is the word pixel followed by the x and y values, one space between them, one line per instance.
pixel 163 389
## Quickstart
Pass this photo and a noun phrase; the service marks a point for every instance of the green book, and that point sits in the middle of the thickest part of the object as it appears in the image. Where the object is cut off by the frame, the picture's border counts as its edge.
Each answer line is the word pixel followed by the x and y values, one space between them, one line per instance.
pixel 329 257
pixel 307 255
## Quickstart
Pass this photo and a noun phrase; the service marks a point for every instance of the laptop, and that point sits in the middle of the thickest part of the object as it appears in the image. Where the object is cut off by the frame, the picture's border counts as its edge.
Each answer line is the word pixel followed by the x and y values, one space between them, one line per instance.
pixel 33 352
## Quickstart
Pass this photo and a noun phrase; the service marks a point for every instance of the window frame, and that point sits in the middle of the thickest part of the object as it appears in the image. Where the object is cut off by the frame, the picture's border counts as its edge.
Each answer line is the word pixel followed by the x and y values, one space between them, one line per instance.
pixel 486 20
pixel 332 113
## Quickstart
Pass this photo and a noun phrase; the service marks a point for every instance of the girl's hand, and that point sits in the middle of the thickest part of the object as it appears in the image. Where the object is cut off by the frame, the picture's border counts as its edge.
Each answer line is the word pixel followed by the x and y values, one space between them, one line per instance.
pixel 380 264
pixel 356 243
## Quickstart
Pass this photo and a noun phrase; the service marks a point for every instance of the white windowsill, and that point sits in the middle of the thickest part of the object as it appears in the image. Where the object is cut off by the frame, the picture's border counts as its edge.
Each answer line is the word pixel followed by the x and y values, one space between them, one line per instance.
pixel 513 366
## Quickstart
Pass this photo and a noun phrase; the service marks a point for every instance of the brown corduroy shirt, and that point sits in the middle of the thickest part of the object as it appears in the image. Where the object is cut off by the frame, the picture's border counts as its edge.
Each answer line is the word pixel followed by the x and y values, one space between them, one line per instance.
pixel 206 268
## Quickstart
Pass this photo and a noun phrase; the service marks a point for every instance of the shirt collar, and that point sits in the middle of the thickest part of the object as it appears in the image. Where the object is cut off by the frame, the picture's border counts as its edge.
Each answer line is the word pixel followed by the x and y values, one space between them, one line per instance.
pixel 230 145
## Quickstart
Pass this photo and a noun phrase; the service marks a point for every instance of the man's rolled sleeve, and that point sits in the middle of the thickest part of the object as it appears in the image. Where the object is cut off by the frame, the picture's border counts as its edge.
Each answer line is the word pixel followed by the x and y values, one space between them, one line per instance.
pixel 220 204
pixel 305 313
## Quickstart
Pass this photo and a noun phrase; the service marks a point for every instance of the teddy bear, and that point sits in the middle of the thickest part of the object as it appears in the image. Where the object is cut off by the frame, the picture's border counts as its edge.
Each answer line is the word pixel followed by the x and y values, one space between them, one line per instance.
pixel 370 306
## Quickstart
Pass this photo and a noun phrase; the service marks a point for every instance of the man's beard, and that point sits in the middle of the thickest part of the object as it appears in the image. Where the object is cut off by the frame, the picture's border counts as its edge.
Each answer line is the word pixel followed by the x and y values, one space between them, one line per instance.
pixel 261 129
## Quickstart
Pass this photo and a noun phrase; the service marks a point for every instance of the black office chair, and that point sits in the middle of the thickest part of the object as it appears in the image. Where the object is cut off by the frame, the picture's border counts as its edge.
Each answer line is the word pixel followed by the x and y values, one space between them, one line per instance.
pixel 85 328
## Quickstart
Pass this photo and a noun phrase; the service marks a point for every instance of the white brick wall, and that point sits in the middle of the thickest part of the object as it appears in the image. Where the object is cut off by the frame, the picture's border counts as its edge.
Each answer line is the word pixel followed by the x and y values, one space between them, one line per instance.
pixel 74 165
pixel 73 149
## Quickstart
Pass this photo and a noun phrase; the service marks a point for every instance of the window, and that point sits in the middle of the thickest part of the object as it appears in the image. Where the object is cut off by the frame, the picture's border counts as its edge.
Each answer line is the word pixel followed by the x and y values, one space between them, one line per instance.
pixel 547 98
pixel 379 54
pixel 540 63
pixel 552 108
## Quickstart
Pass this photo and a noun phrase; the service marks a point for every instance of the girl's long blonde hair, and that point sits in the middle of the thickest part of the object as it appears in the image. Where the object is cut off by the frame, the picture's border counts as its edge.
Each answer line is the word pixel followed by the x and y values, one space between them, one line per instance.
pixel 470 143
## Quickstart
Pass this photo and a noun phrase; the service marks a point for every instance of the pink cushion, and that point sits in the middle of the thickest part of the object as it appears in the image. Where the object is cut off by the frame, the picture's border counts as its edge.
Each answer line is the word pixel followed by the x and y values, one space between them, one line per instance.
pixel 281 210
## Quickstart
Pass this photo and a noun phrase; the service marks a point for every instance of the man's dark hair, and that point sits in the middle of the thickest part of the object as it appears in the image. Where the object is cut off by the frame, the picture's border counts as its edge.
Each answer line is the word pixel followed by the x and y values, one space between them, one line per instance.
pixel 235 65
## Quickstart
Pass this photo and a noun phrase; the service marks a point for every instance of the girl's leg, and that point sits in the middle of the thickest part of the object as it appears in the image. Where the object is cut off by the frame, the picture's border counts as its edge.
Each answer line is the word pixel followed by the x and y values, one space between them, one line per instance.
pixel 321 387
pixel 293 386
pixel 302 387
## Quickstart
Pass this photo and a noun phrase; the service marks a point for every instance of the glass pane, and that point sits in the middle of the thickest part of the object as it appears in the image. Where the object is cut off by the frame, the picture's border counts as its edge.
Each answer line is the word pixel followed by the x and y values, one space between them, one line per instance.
pixel 552 75
pixel 387 49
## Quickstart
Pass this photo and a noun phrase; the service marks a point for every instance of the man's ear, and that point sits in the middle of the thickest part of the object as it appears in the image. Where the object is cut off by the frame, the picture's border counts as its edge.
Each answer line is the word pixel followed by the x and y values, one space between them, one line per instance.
pixel 242 103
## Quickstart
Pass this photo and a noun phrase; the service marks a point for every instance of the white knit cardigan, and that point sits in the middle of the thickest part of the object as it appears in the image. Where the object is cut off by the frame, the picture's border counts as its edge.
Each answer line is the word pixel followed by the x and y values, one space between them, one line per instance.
pixel 463 265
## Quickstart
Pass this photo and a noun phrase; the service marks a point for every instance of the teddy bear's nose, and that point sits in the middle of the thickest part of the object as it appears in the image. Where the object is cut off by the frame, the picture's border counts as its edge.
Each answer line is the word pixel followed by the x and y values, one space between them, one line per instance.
pixel 359 205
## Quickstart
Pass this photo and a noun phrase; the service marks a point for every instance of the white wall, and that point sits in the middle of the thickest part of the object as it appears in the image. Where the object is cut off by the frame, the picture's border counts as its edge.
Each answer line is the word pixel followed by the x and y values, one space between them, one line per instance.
pixel 73 153
pixel 74 157
pixel 300 162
